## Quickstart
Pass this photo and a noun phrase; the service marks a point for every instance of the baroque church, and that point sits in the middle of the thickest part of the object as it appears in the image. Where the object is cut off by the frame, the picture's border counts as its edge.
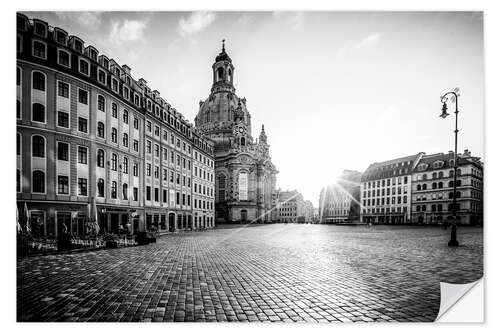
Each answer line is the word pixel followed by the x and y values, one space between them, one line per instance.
pixel 245 177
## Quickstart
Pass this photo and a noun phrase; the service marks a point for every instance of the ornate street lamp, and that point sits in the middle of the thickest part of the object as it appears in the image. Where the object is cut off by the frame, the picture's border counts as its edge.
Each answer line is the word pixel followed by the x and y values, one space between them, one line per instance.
pixel 454 99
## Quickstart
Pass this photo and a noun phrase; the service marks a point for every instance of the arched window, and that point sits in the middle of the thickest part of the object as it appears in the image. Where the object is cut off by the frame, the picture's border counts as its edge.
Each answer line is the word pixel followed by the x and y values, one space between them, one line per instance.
pixel 114 135
pixel 113 190
pixel 125 116
pixel 451 173
pixel 434 175
pixel 220 74
pixel 114 159
pixel 440 185
pixel 459 182
pixel 100 187
pixel 38 81
pixel 125 165
pixel 222 187
pixel 38 112
pixel 125 191
pixel 459 194
pixel 38 185
pixel 230 74
pixel 38 146
pixel 434 186
pixel 424 187
pixel 100 158
pixel 433 208
pixel 125 139
pixel 440 175
pixel 450 195
pixel 459 172
pixel 101 103
pixel 242 141
pixel 424 176
pixel 450 183
pixel 440 207
pixel 419 187
pixel 114 110
pixel 100 129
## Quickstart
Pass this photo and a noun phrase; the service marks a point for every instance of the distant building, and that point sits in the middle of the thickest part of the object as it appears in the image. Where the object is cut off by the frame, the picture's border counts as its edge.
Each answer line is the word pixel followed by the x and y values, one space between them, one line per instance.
pixel 386 190
pixel 432 189
pixel 308 211
pixel 339 203
pixel 292 208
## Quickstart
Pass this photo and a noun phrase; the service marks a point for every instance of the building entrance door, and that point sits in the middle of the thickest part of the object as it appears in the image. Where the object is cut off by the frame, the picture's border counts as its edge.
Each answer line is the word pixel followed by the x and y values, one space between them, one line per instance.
pixel 244 216
pixel 114 223
pixel 171 222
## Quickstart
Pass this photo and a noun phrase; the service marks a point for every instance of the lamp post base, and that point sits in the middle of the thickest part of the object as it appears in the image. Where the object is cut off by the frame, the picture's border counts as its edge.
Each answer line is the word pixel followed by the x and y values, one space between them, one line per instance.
pixel 453 241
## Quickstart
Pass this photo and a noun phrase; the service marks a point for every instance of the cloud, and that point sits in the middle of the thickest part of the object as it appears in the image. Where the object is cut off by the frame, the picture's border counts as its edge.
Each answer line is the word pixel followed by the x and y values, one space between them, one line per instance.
pixel 294 19
pixel 196 22
pixel 371 40
pixel 244 19
pixel 297 21
pixel 89 20
pixel 127 30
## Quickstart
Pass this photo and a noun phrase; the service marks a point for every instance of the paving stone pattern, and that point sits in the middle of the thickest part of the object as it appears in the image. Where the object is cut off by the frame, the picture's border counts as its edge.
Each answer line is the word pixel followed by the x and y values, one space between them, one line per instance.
pixel 277 273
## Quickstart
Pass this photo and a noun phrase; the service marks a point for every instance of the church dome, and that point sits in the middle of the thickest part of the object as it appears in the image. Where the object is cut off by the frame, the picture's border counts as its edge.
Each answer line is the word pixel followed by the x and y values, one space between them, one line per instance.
pixel 223 108
pixel 220 111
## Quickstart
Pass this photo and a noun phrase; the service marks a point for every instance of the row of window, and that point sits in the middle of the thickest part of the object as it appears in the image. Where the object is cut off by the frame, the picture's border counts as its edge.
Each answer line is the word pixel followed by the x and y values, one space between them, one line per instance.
pixel 63 88
pixel 435 207
pixel 379 210
pixel 437 185
pixel 385 201
pixel 378 192
pixel 386 182
pixel 180 199
pixel 440 174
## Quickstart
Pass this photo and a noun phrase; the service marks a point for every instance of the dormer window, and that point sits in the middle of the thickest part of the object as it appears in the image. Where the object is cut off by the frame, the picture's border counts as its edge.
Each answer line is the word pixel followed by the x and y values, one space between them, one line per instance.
pixel 438 164
pixel 128 80
pixel 21 23
pixel 105 63
pixel 61 37
pixel 78 46
pixel 40 29
pixel 125 93
pixel 117 72
pixel 93 55
pixel 39 49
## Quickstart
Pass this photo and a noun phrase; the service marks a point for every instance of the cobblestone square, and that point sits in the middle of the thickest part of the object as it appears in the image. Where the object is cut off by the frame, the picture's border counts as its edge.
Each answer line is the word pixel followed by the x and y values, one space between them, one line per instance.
pixel 277 273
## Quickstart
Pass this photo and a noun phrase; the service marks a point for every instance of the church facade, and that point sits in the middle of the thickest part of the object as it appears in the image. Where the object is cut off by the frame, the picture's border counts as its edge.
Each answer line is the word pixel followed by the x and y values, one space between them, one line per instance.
pixel 245 177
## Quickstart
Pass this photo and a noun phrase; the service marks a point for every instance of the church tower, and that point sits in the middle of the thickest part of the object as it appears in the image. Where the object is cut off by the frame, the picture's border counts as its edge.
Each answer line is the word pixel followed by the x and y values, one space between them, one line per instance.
pixel 223 72
pixel 245 177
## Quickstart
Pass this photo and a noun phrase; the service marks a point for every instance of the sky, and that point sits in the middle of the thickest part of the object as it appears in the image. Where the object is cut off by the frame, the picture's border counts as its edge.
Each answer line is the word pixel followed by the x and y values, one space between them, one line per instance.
pixel 335 90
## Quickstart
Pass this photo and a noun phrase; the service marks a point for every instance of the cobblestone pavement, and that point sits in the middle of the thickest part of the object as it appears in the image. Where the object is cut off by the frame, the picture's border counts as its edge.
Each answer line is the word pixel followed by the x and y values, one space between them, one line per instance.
pixel 316 273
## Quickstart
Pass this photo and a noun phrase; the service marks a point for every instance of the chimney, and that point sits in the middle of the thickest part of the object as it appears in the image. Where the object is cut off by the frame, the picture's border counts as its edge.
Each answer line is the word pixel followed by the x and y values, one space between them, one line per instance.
pixel 466 152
